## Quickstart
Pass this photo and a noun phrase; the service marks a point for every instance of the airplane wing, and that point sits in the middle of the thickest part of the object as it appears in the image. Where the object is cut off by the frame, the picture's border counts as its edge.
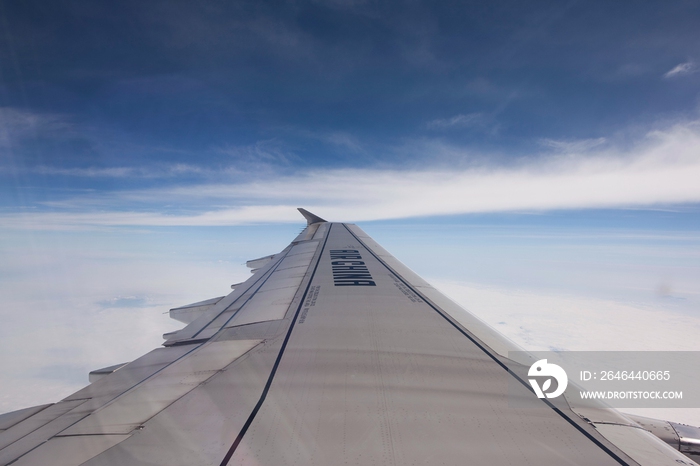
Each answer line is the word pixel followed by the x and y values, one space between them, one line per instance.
pixel 332 352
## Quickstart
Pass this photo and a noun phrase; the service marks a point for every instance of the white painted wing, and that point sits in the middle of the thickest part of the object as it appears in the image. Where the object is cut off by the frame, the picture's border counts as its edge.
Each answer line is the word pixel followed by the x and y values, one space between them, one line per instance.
pixel 333 352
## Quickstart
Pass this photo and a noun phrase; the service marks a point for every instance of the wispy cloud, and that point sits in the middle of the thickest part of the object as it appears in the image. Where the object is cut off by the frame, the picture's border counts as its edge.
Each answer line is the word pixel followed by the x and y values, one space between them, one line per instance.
pixel 573 146
pixel 266 151
pixel 661 169
pixel 681 69
pixel 477 121
pixel 341 139
pixel 17 124
pixel 155 171
pixel 92 172
pixel 458 121
pixel 81 220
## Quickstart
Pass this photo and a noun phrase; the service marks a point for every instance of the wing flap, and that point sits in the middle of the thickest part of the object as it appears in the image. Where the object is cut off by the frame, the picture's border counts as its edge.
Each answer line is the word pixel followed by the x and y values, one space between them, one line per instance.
pixel 25 436
pixel 198 428
pixel 127 412
pixel 189 313
pixel 70 451
pixel 229 303
pixel 273 295
pixel 130 375
pixel 257 263
pixel 213 319
pixel 8 420
pixel 97 374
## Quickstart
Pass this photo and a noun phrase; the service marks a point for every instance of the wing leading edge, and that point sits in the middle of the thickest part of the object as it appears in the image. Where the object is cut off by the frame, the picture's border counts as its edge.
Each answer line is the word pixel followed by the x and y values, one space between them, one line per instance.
pixel 331 352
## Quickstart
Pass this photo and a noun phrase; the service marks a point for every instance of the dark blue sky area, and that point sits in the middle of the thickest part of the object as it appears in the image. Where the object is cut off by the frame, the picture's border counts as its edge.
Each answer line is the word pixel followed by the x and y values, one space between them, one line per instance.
pixel 331 84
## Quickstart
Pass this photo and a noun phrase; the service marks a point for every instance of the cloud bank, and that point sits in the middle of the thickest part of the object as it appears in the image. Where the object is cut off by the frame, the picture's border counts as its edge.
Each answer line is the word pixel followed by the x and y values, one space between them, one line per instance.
pixel 663 168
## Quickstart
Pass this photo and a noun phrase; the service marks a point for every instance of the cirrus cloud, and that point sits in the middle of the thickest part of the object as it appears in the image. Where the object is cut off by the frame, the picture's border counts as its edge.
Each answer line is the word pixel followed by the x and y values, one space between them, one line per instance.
pixel 681 69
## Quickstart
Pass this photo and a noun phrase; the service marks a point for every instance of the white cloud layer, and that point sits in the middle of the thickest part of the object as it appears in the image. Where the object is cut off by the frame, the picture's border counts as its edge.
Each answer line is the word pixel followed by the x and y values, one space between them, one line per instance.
pixel 566 322
pixel 69 309
pixel 662 168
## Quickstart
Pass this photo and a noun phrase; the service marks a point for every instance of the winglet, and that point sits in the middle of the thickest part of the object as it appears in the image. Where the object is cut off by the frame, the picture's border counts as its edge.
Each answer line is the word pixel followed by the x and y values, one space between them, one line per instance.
pixel 310 218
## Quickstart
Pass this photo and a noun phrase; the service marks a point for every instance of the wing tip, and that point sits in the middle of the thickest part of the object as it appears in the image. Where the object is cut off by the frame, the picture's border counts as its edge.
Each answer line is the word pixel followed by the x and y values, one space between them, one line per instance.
pixel 310 218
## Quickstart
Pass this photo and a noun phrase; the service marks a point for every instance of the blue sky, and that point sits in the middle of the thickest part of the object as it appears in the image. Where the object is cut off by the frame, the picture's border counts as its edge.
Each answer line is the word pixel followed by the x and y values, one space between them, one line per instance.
pixel 100 98
pixel 525 150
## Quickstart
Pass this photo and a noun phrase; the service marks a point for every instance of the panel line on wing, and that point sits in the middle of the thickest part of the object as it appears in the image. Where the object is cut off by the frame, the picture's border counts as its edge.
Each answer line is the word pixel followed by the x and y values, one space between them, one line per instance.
pixel 489 353
pixel 265 391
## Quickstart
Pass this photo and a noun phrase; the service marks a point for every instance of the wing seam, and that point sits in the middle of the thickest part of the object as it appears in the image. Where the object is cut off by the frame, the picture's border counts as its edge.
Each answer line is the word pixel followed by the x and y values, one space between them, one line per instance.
pixel 263 396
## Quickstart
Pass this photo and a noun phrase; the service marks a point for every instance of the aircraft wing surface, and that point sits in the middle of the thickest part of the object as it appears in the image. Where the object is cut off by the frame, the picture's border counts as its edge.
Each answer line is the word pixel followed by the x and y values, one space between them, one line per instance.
pixel 332 353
